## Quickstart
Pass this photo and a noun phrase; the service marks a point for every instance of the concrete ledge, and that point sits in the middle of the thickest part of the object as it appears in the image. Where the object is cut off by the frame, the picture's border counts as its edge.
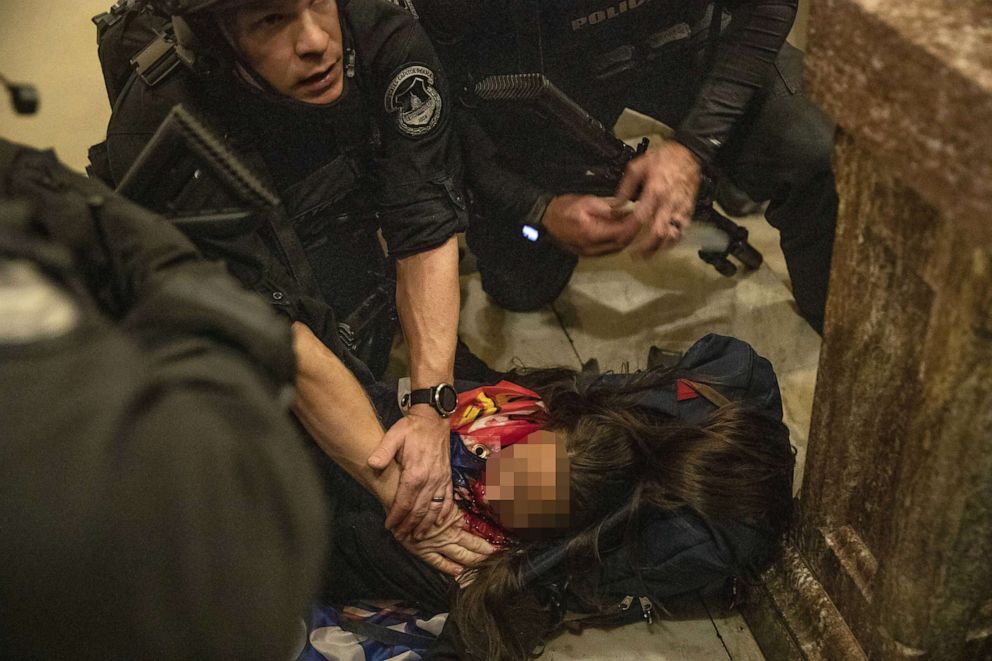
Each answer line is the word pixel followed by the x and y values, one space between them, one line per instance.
pixel 792 617
pixel 912 82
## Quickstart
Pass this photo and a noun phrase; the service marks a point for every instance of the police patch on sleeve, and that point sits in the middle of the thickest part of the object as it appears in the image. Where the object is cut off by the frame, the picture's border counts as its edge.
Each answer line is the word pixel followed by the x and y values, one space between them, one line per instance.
pixel 413 101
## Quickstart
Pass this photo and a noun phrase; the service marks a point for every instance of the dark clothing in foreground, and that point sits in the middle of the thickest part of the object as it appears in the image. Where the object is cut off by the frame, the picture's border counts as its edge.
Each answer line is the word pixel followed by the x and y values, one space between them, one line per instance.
pixel 382 157
pixel 156 501
pixel 734 101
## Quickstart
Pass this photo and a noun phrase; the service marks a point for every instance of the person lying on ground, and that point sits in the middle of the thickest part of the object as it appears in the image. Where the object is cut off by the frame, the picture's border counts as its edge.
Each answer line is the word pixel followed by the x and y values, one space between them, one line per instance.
pixel 576 490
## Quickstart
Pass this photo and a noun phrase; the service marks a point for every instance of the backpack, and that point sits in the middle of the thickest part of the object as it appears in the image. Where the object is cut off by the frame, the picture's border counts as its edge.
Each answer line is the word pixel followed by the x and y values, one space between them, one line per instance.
pixel 678 556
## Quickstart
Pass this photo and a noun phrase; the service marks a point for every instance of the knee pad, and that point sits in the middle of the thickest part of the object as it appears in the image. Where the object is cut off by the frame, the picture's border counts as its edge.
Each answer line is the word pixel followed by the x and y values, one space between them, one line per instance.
pixel 528 280
pixel 519 275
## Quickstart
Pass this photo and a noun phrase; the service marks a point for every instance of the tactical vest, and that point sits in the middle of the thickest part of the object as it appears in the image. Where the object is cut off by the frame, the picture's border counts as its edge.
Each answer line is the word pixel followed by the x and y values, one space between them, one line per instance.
pixel 614 42
pixel 323 247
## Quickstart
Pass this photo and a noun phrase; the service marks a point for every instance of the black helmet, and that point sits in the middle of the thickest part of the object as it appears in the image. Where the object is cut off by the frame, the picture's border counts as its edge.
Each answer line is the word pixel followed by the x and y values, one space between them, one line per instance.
pixel 198 41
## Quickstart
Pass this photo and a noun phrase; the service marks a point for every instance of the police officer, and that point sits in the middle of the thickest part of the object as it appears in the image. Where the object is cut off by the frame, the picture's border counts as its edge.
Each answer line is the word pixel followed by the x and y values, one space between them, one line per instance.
pixel 155 500
pixel 720 73
pixel 343 106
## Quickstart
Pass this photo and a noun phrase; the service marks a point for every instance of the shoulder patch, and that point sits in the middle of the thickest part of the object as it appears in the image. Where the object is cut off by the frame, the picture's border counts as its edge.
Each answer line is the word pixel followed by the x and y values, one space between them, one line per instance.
pixel 413 101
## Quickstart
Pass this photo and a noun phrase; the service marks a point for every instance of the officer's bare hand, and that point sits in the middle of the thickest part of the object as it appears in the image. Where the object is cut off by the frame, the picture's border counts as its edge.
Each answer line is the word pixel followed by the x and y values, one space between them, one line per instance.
pixel 448 547
pixel 668 178
pixel 588 225
pixel 419 444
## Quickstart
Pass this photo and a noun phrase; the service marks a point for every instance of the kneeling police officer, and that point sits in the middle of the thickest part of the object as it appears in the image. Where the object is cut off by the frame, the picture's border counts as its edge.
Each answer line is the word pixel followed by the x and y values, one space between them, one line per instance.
pixel 720 73
pixel 344 108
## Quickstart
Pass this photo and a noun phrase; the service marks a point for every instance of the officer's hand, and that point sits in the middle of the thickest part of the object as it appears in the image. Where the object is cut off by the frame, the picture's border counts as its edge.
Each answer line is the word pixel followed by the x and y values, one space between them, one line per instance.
pixel 420 444
pixel 448 547
pixel 668 178
pixel 588 225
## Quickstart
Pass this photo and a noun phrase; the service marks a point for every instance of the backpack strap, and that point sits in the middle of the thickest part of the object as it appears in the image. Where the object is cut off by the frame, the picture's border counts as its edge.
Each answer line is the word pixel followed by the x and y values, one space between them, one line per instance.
pixel 157 60
pixel 384 635
pixel 709 393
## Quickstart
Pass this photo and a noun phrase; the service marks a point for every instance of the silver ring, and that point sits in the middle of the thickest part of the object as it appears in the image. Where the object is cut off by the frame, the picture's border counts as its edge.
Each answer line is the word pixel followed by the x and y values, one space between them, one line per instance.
pixel 437 499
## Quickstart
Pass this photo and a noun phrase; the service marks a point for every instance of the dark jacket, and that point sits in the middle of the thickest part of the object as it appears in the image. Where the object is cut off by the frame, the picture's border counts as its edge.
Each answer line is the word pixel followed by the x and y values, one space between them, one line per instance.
pixel 343 171
pixel 156 501
pixel 599 52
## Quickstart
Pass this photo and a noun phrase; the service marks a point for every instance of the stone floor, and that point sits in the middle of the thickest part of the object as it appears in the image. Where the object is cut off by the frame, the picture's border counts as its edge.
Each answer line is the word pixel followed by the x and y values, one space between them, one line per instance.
pixel 614 309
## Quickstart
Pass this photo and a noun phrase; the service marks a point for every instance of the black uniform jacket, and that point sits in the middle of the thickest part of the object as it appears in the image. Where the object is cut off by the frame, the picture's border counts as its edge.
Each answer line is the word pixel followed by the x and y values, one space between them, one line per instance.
pixel 156 501
pixel 598 51
pixel 383 157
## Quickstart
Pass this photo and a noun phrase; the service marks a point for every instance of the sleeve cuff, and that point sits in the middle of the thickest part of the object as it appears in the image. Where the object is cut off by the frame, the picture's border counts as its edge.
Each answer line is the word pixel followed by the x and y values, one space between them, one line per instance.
pixel 704 149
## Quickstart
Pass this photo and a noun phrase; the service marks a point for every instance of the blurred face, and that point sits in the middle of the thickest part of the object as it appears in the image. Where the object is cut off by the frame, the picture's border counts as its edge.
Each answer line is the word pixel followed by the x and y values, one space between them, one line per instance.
pixel 527 484
pixel 294 45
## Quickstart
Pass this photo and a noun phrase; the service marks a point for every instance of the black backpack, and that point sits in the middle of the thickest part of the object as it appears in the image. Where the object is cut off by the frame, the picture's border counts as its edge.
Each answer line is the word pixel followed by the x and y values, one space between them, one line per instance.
pixel 677 557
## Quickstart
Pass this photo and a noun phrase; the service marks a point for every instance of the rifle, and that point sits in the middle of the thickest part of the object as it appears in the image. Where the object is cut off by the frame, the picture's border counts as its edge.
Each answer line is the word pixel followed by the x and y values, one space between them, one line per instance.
pixel 610 155
pixel 188 175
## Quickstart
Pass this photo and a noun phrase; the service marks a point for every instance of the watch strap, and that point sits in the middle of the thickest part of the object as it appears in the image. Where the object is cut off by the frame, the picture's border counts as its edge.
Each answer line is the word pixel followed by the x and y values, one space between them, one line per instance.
pixel 422 396
pixel 442 398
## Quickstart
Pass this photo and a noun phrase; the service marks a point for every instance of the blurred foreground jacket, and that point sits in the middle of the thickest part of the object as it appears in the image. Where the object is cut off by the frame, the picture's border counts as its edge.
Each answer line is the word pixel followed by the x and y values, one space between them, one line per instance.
pixel 156 501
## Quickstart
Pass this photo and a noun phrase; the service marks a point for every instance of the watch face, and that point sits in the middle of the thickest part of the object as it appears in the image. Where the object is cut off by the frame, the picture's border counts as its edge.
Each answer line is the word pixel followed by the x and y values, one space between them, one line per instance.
pixel 447 398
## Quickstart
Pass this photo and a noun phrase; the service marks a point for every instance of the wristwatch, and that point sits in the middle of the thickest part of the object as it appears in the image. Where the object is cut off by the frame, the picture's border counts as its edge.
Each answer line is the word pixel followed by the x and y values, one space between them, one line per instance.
pixel 442 397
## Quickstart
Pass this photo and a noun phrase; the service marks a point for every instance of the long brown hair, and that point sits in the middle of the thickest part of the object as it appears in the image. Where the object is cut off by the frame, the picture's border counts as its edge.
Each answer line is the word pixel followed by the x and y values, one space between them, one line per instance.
pixel 737 465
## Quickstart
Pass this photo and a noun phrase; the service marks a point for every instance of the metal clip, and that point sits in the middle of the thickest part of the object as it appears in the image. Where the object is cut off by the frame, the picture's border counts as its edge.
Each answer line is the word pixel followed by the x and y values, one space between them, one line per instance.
pixel 479 450
pixel 348 336
pixel 156 61
pixel 349 63
pixel 624 605
pixel 647 608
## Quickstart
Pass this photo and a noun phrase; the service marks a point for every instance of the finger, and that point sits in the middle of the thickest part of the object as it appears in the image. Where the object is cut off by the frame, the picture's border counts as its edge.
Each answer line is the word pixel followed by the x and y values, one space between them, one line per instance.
pixel 402 504
pixel 475 543
pixel 650 240
pixel 618 234
pixel 407 493
pixel 628 233
pixel 387 448
pixel 421 509
pixel 629 182
pixel 649 207
pixel 449 505
pixel 609 234
pixel 670 242
pixel 462 555
pixel 599 207
pixel 621 209
pixel 663 222
pixel 439 562
pixel 429 521
pixel 678 227
pixel 454 520
pixel 439 487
